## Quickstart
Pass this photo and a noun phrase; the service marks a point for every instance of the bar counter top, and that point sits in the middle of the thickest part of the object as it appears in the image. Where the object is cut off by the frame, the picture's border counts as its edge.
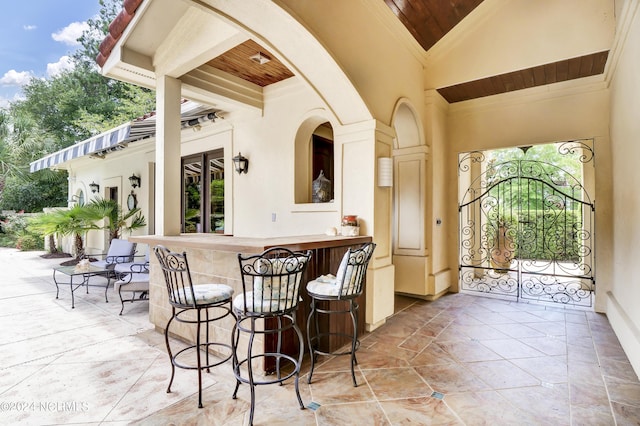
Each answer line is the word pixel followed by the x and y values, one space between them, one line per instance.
pixel 247 244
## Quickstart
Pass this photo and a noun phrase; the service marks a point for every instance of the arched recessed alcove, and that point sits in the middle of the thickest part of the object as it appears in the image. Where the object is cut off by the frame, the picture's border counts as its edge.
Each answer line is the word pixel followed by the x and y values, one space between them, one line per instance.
pixel 313 153
pixel 410 200
pixel 405 123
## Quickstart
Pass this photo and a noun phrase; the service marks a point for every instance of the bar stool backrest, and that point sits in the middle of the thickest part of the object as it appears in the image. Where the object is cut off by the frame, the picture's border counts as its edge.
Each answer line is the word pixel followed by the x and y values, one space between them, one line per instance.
pixel 177 277
pixel 353 269
pixel 271 280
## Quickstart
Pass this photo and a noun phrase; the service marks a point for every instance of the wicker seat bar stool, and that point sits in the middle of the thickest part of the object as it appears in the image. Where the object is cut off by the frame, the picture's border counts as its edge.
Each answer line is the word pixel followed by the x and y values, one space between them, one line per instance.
pixel 185 298
pixel 342 290
pixel 267 307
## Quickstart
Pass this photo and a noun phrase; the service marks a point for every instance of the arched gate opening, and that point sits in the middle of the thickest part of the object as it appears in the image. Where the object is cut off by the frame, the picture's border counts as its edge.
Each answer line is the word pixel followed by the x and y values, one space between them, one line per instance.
pixel 526 223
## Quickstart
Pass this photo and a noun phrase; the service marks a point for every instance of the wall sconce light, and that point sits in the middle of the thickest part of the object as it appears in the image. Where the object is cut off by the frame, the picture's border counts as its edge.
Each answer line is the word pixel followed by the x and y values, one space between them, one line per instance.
pixel 385 172
pixel 94 187
pixel 241 163
pixel 134 180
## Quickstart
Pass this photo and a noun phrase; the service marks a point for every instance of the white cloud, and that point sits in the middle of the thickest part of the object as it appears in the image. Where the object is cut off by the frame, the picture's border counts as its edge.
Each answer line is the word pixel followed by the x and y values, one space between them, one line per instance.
pixel 4 102
pixel 63 64
pixel 15 78
pixel 71 33
pixel 29 27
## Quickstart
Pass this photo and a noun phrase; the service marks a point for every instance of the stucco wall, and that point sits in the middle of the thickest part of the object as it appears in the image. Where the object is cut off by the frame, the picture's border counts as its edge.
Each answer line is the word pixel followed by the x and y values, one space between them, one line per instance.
pixel 268 141
pixel 381 70
pixel 114 171
pixel 564 112
pixel 624 295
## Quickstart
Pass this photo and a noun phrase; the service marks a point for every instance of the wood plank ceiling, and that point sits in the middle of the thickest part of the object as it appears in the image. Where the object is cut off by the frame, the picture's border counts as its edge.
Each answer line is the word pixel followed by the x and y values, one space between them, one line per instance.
pixel 428 21
pixel 568 69
pixel 237 61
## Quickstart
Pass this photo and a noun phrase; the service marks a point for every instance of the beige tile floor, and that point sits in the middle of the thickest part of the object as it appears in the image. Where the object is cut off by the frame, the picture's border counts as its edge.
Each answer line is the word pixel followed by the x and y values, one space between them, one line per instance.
pixel 461 360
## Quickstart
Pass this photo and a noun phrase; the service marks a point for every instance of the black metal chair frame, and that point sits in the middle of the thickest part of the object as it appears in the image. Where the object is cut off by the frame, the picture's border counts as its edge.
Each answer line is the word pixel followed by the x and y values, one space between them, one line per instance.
pixel 350 285
pixel 108 263
pixel 286 274
pixel 127 277
pixel 182 298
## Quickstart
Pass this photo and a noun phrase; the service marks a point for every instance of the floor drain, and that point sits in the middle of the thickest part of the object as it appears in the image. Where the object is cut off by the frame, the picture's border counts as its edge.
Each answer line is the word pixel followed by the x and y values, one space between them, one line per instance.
pixel 313 406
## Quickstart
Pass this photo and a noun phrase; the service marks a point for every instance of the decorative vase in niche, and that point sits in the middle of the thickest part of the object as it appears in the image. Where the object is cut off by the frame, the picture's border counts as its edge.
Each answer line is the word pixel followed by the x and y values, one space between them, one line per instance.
pixel 321 189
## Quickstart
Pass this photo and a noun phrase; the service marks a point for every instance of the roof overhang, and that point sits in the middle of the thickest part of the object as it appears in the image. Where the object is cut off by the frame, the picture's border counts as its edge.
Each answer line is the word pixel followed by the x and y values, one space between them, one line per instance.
pixel 176 39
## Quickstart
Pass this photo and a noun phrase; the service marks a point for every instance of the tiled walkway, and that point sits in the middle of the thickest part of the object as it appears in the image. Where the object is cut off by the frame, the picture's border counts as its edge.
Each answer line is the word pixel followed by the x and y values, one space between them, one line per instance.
pixel 461 360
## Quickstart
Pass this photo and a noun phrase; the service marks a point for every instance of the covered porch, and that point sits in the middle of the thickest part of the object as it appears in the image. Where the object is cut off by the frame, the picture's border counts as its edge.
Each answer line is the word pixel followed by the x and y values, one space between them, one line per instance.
pixel 457 360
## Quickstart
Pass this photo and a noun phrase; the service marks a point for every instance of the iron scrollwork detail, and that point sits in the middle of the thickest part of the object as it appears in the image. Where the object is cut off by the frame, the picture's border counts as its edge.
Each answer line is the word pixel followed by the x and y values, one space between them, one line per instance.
pixel 526 229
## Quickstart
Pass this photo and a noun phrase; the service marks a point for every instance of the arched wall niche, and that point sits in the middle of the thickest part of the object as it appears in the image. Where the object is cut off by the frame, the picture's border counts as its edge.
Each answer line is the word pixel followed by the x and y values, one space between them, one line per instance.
pixel 315 124
pixel 407 125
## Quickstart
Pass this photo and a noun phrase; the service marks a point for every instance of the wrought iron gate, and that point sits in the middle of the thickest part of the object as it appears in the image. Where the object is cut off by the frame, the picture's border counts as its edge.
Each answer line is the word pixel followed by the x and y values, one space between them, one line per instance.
pixel 527 228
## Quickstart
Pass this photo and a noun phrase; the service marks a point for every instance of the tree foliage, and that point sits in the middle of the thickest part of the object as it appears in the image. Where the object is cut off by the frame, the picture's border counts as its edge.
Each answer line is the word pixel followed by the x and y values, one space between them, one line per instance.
pixel 58 112
pixel 535 198
pixel 116 220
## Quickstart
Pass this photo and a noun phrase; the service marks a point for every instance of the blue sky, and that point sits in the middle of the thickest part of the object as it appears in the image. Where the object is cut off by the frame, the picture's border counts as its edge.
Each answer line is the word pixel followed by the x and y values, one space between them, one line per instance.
pixel 35 37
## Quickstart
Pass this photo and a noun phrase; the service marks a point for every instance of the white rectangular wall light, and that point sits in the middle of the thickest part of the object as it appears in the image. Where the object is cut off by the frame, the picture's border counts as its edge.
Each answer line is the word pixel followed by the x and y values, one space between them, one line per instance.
pixel 385 171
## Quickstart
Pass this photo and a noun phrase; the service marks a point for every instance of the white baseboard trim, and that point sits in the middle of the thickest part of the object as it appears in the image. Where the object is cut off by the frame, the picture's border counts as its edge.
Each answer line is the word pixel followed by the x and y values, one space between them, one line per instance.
pixel 627 332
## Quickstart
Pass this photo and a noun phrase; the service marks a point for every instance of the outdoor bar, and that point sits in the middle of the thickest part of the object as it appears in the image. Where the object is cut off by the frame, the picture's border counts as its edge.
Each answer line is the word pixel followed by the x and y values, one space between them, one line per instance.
pixel 213 258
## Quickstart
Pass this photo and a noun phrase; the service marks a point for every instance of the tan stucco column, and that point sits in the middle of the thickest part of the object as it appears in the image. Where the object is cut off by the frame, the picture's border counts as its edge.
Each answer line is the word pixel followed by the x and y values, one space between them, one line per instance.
pixel 168 174
pixel 361 144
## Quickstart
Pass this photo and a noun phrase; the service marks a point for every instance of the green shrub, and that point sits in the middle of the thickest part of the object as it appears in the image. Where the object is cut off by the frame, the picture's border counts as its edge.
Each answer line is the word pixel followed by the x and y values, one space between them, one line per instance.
pixel 26 242
pixel 542 234
pixel 16 234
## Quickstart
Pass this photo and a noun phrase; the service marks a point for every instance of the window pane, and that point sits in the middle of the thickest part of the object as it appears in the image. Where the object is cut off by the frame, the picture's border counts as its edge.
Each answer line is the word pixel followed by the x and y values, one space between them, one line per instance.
pixel 192 177
pixel 216 192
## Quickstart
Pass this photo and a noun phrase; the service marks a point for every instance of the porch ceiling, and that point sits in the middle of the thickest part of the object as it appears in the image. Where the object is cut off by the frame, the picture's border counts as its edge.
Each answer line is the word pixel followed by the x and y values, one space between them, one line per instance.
pixel 429 22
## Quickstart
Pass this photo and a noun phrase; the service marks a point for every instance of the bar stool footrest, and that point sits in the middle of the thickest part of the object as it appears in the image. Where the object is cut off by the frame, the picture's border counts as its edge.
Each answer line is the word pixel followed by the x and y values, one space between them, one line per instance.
pixel 205 347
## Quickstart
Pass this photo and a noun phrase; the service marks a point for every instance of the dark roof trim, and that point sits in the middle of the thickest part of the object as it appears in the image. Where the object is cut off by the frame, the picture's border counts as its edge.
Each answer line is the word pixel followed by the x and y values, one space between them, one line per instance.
pixel 567 69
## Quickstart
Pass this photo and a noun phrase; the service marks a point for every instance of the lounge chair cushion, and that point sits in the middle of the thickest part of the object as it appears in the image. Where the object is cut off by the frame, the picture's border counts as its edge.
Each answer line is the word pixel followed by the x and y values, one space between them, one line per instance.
pixel 135 282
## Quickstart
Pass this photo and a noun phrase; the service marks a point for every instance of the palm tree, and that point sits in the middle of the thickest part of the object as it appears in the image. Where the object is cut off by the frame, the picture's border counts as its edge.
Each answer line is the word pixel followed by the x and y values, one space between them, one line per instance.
pixel 76 221
pixel 116 221
pixel 48 225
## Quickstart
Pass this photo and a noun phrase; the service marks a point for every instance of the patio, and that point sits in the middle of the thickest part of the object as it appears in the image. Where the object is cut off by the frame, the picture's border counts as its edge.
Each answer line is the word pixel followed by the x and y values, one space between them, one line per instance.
pixel 459 360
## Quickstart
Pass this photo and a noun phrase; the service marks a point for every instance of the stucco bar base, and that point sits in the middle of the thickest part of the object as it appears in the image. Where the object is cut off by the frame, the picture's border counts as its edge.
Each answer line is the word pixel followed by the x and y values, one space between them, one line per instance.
pixel 214 259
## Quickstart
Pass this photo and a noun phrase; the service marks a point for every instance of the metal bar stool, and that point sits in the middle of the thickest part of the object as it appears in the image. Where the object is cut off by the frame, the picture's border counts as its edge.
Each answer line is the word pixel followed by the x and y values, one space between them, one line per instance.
pixel 184 296
pixel 345 287
pixel 271 286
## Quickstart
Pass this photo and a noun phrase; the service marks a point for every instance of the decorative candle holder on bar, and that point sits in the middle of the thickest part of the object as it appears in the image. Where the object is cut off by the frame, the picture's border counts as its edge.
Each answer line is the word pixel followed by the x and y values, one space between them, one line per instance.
pixel 349 227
